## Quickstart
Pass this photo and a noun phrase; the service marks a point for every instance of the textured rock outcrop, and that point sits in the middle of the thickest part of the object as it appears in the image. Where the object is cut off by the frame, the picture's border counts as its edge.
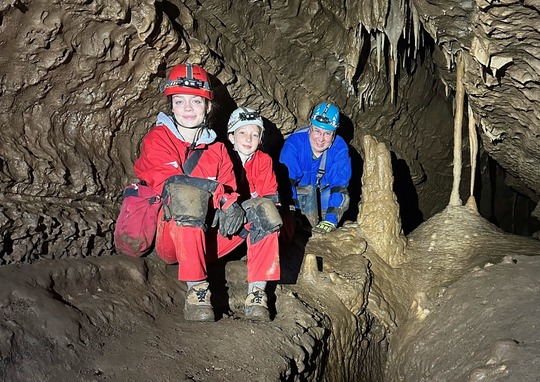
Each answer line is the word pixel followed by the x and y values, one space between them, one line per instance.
pixel 80 88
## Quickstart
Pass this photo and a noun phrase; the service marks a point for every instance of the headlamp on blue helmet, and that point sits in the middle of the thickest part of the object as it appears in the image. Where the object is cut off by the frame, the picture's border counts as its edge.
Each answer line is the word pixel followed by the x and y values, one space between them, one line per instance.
pixel 325 116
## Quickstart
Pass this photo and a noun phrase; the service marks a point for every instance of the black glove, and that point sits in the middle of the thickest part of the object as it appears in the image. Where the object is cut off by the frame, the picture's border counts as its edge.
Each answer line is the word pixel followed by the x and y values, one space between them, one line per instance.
pixel 230 221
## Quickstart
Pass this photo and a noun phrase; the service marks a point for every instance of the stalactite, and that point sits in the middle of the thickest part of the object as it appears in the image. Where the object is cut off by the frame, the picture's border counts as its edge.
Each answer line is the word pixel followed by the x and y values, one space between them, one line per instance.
pixel 394 29
pixel 473 146
pixel 416 29
pixel 352 56
pixel 458 119
pixel 446 87
pixel 383 44
pixel 449 61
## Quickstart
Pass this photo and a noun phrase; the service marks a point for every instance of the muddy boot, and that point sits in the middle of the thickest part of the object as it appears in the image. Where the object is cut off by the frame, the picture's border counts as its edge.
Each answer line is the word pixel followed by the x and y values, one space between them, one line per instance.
pixel 197 306
pixel 256 305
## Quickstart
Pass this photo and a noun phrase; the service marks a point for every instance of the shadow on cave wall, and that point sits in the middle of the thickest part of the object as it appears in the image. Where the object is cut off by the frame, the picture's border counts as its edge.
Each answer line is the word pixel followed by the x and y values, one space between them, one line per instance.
pixel 346 131
pixel 501 204
pixel 409 209
pixel 222 107
pixel 292 250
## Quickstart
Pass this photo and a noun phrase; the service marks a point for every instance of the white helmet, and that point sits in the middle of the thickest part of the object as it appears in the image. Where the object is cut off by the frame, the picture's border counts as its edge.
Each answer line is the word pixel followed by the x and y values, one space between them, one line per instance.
pixel 244 116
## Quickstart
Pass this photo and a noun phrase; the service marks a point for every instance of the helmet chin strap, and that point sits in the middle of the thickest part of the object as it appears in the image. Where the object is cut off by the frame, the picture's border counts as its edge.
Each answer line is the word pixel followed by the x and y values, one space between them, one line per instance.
pixel 200 127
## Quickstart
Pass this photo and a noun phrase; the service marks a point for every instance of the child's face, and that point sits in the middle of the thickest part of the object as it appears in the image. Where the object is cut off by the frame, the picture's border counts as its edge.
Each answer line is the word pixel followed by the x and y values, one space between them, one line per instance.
pixel 189 110
pixel 246 139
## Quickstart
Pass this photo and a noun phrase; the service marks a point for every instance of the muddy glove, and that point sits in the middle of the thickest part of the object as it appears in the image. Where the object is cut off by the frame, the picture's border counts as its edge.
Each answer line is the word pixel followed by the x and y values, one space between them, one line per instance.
pixel 230 221
pixel 324 227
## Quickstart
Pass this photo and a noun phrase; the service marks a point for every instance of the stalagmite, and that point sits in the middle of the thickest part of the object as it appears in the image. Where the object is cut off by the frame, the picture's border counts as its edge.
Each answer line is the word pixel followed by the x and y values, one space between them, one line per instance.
pixel 392 78
pixel 309 267
pixel 378 216
pixel 458 119
pixel 473 146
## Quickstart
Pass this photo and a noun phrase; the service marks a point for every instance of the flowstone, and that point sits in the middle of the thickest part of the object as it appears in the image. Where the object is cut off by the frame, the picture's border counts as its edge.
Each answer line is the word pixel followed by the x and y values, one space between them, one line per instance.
pixel 411 277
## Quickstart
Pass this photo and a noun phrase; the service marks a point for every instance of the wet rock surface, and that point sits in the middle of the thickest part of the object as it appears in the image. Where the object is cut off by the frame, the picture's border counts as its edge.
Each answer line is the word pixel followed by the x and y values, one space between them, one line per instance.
pixel 79 88
pixel 483 328
pixel 120 319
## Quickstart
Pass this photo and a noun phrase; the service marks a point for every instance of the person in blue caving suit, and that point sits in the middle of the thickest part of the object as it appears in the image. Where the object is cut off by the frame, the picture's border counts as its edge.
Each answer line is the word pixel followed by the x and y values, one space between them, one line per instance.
pixel 319 169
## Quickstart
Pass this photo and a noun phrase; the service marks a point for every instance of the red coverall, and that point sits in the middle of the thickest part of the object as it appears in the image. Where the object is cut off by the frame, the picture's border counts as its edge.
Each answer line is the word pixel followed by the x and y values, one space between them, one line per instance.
pixel 162 156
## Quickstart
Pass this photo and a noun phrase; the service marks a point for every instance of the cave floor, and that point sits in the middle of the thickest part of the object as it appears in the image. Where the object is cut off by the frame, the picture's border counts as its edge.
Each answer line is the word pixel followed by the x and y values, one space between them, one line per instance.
pixel 116 318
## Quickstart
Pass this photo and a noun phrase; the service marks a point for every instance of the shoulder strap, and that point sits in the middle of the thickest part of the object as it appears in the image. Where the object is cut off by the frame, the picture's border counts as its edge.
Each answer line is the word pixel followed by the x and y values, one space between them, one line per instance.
pixel 322 165
pixel 191 161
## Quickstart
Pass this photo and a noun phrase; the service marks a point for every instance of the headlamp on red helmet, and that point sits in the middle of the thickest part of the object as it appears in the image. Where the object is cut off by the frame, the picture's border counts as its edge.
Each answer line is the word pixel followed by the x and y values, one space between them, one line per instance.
pixel 188 79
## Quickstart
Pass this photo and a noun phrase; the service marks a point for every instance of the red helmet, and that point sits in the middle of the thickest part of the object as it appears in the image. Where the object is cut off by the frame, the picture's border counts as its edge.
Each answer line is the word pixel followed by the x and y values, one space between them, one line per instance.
pixel 188 79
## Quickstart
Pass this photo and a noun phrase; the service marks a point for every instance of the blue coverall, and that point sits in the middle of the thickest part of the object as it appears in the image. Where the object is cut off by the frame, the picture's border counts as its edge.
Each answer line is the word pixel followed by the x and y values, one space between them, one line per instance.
pixel 303 167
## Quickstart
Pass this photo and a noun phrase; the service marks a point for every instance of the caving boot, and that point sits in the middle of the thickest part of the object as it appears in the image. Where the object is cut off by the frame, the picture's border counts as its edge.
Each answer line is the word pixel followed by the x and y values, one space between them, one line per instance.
pixel 256 307
pixel 198 306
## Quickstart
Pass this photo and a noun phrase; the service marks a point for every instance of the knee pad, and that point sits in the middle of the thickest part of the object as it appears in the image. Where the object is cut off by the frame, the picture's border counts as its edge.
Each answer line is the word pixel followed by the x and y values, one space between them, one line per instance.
pixel 185 204
pixel 263 213
pixel 308 203
pixel 263 216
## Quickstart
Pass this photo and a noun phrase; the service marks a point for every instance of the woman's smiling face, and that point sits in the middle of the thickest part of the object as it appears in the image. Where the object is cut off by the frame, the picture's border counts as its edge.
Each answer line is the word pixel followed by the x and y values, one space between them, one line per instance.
pixel 189 110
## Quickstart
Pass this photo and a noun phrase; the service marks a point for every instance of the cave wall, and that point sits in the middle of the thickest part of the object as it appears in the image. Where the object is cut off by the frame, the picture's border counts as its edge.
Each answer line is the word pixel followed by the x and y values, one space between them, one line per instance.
pixel 77 87
pixel 499 43
pixel 80 88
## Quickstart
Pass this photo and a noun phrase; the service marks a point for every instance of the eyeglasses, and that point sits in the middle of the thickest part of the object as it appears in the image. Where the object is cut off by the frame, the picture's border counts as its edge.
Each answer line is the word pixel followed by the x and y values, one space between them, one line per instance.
pixel 319 133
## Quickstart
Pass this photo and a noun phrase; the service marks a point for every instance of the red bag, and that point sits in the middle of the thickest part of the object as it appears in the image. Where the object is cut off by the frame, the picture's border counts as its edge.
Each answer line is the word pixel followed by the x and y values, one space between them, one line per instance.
pixel 137 222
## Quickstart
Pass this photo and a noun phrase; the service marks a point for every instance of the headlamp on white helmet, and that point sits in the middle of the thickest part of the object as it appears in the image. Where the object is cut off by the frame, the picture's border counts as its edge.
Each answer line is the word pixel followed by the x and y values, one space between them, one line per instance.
pixel 244 116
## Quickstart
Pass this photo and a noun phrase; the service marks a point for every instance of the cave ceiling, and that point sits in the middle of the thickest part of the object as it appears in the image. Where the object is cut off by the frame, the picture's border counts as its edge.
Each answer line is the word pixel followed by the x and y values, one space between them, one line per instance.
pixel 79 88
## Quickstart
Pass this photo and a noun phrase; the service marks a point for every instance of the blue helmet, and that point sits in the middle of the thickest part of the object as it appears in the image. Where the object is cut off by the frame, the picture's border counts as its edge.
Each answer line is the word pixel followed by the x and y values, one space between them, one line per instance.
pixel 325 116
